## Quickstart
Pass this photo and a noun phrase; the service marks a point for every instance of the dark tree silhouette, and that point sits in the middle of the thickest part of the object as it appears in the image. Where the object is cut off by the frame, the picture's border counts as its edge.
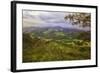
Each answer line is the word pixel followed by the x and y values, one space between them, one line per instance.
pixel 81 19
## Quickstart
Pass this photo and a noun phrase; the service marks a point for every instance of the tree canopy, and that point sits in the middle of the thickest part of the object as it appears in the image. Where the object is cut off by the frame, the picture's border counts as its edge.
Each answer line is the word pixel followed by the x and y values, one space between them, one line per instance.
pixel 81 19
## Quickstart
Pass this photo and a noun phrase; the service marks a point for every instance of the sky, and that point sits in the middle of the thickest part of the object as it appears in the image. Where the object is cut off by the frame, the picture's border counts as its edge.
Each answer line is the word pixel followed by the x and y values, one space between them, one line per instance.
pixel 46 19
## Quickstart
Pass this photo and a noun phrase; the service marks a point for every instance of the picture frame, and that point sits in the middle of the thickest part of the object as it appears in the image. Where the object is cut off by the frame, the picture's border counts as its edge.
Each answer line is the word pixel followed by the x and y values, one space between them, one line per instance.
pixel 42 15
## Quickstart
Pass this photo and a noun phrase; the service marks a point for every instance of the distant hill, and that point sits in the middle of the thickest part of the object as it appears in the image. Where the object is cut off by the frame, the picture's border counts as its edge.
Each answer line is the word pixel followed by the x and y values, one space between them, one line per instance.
pixel 41 29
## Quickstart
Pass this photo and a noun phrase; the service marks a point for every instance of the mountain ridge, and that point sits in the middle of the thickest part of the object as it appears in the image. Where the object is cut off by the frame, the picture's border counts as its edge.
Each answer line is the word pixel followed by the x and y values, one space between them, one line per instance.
pixel 58 28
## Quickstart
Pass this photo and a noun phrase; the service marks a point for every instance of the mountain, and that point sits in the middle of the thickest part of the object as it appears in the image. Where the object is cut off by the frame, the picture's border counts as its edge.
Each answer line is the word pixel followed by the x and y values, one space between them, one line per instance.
pixel 58 29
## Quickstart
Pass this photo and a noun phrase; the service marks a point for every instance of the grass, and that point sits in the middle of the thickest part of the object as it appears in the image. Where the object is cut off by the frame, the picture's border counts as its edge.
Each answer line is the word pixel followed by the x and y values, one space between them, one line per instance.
pixel 39 49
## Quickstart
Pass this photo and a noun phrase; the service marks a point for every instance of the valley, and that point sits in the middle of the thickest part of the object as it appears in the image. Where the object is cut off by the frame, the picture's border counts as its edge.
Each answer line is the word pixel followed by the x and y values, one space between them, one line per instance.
pixel 55 44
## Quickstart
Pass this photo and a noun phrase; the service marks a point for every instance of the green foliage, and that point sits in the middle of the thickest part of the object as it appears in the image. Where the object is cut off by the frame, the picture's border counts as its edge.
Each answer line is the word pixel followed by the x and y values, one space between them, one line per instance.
pixel 82 19
pixel 40 48
pixel 84 36
pixel 59 34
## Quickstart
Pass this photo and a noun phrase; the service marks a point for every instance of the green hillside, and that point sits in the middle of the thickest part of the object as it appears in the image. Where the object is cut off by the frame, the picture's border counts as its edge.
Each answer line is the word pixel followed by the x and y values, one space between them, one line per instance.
pixel 56 46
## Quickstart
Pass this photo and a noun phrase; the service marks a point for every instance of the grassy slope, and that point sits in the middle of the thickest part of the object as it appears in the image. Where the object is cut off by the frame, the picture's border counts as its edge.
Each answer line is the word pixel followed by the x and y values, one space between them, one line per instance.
pixel 41 49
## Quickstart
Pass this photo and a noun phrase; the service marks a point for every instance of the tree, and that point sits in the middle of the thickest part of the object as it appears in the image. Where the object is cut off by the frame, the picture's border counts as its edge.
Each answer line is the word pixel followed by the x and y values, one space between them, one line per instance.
pixel 84 36
pixel 81 19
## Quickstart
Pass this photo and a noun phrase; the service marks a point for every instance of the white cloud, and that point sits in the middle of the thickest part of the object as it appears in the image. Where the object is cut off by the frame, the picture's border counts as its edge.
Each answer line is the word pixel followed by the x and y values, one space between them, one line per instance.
pixel 43 18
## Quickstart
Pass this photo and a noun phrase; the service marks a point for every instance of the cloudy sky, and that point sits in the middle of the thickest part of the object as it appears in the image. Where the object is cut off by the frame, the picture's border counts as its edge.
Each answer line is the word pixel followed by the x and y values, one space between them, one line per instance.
pixel 46 19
